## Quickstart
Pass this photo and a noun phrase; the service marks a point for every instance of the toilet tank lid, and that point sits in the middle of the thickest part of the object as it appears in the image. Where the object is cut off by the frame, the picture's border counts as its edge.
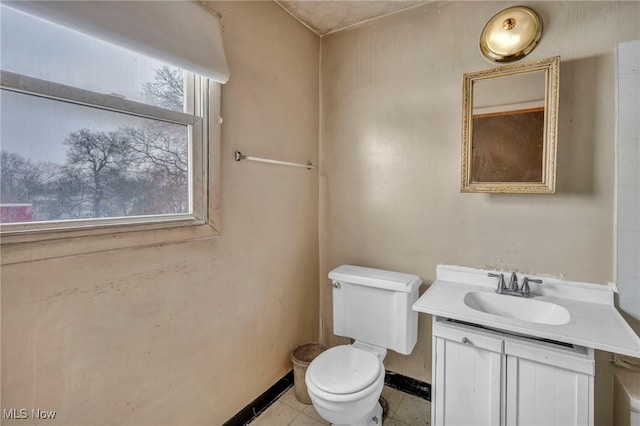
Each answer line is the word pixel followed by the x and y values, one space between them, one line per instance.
pixel 379 278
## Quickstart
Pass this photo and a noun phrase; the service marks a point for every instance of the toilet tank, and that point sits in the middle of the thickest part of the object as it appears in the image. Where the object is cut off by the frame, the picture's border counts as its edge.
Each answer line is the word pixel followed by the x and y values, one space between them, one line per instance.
pixel 374 306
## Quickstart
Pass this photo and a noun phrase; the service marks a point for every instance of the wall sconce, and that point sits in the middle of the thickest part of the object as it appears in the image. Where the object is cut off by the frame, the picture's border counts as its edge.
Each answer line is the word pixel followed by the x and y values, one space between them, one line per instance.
pixel 511 34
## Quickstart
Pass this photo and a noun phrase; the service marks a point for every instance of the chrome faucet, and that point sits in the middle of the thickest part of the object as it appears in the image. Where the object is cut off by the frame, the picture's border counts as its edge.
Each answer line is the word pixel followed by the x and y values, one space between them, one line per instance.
pixel 501 285
pixel 525 285
pixel 513 289
pixel 513 282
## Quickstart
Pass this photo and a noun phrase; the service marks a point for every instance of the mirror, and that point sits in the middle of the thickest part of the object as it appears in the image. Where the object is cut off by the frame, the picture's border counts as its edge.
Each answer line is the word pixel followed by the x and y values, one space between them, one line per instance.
pixel 509 127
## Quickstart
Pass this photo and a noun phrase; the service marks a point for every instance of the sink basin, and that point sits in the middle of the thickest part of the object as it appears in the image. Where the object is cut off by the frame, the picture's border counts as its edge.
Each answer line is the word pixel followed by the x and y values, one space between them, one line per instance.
pixel 517 308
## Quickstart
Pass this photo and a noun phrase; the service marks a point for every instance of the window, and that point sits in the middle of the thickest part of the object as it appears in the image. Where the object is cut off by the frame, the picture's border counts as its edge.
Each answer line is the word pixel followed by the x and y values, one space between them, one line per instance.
pixel 96 136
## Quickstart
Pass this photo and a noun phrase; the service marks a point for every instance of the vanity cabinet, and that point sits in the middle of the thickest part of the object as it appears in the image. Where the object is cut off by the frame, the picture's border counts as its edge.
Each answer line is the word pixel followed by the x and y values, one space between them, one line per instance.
pixel 489 377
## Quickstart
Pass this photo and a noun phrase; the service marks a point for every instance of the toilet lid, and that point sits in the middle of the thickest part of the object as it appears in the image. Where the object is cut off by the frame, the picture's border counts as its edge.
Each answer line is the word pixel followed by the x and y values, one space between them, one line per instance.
pixel 344 369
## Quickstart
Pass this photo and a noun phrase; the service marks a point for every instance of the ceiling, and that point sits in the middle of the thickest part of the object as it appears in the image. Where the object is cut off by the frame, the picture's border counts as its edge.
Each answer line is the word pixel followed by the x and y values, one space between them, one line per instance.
pixel 326 16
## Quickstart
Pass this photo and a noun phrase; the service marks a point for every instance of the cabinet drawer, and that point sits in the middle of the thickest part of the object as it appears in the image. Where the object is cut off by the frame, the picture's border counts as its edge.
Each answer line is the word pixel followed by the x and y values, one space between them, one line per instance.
pixel 574 359
pixel 468 335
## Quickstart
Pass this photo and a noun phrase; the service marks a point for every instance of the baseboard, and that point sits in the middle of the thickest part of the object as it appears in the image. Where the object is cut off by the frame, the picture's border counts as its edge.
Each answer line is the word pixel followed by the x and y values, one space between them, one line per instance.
pixel 261 403
pixel 408 385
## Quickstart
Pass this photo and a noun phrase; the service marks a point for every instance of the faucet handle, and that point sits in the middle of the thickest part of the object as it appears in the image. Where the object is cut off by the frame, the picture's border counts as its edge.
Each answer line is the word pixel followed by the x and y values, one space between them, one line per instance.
pixel 501 284
pixel 513 282
pixel 525 285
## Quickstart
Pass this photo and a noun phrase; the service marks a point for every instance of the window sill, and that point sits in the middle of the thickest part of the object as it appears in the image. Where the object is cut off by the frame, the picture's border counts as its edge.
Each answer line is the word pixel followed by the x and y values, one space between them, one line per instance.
pixel 23 248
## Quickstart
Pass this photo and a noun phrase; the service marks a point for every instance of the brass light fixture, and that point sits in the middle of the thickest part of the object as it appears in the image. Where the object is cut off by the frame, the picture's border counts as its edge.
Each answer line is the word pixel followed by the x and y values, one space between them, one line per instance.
pixel 511 34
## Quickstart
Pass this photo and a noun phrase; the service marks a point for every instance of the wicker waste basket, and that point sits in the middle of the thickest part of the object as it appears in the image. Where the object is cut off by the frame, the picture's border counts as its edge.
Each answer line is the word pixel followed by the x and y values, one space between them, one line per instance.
pixel 301 357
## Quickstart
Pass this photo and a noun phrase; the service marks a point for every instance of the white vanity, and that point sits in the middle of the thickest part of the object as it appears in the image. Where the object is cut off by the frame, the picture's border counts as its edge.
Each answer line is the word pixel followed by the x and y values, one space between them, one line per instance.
pixel 505 360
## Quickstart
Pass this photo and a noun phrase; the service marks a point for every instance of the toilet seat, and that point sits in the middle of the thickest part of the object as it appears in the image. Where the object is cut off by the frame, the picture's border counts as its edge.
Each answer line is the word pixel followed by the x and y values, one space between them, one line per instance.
pixel 344 370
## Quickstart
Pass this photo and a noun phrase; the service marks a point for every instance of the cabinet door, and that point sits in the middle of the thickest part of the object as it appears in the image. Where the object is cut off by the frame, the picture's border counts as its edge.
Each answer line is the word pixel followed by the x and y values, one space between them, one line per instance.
pixel 547 387
pixel 466 384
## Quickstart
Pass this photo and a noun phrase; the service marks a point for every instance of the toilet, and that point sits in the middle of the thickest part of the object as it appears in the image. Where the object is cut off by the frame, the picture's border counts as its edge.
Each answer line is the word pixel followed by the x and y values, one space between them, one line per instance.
pixel 373 307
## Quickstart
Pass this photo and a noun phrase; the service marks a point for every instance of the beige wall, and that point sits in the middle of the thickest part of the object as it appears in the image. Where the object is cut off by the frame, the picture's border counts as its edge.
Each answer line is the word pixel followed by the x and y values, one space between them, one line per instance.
pixel 390 153
pixel 189 333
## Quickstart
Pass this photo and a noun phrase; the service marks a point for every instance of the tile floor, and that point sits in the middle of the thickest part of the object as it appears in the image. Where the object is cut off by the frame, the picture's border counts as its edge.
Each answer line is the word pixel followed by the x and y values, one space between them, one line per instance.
pixel 404 410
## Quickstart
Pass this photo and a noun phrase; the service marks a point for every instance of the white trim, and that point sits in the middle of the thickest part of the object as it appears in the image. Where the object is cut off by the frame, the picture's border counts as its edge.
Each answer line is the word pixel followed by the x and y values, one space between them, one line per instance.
pixel 198 169
pixel 56 91
pixel 43 240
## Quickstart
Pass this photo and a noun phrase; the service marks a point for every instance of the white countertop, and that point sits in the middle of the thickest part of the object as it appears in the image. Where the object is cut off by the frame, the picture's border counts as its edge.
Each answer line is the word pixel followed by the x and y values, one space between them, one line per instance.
pixel 594 321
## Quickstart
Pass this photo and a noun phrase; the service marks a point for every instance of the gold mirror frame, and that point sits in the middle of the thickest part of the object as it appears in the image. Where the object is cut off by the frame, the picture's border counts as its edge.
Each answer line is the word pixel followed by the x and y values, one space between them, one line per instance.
pixel 545 168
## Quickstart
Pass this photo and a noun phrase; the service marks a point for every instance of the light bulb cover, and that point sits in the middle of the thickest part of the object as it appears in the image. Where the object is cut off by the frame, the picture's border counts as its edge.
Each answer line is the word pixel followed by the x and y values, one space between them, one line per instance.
pixel 511 34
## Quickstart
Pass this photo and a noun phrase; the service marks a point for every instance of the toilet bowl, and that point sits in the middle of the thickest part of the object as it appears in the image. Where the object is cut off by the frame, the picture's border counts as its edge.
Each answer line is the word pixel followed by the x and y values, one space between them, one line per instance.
pixel 345 383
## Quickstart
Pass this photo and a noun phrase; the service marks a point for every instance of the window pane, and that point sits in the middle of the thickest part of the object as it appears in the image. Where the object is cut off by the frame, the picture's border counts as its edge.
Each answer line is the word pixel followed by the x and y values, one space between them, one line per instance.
pixel 65 161
pixel 39 49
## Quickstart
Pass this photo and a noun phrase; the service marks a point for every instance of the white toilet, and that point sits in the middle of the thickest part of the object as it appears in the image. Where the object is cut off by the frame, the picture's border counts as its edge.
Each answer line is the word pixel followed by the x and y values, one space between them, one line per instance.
pixel 373 307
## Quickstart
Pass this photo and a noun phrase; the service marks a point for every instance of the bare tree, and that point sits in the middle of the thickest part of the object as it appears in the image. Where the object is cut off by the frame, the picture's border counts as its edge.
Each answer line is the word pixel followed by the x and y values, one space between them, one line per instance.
pixel 161 155
pixel 19 179
pixel 160 146
pixel 166 90
pixel 98 160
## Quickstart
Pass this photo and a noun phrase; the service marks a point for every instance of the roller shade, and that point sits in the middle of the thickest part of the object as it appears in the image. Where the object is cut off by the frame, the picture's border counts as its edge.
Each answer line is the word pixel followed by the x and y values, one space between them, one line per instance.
pixel 183 32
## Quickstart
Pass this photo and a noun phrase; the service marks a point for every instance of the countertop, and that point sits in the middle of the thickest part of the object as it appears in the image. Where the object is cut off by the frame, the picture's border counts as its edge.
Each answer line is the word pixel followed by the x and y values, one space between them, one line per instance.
pixel 594 321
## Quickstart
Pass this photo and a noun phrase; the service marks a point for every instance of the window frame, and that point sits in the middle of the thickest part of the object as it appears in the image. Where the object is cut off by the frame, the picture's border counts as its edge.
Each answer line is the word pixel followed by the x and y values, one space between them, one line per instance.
pixel 202 99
